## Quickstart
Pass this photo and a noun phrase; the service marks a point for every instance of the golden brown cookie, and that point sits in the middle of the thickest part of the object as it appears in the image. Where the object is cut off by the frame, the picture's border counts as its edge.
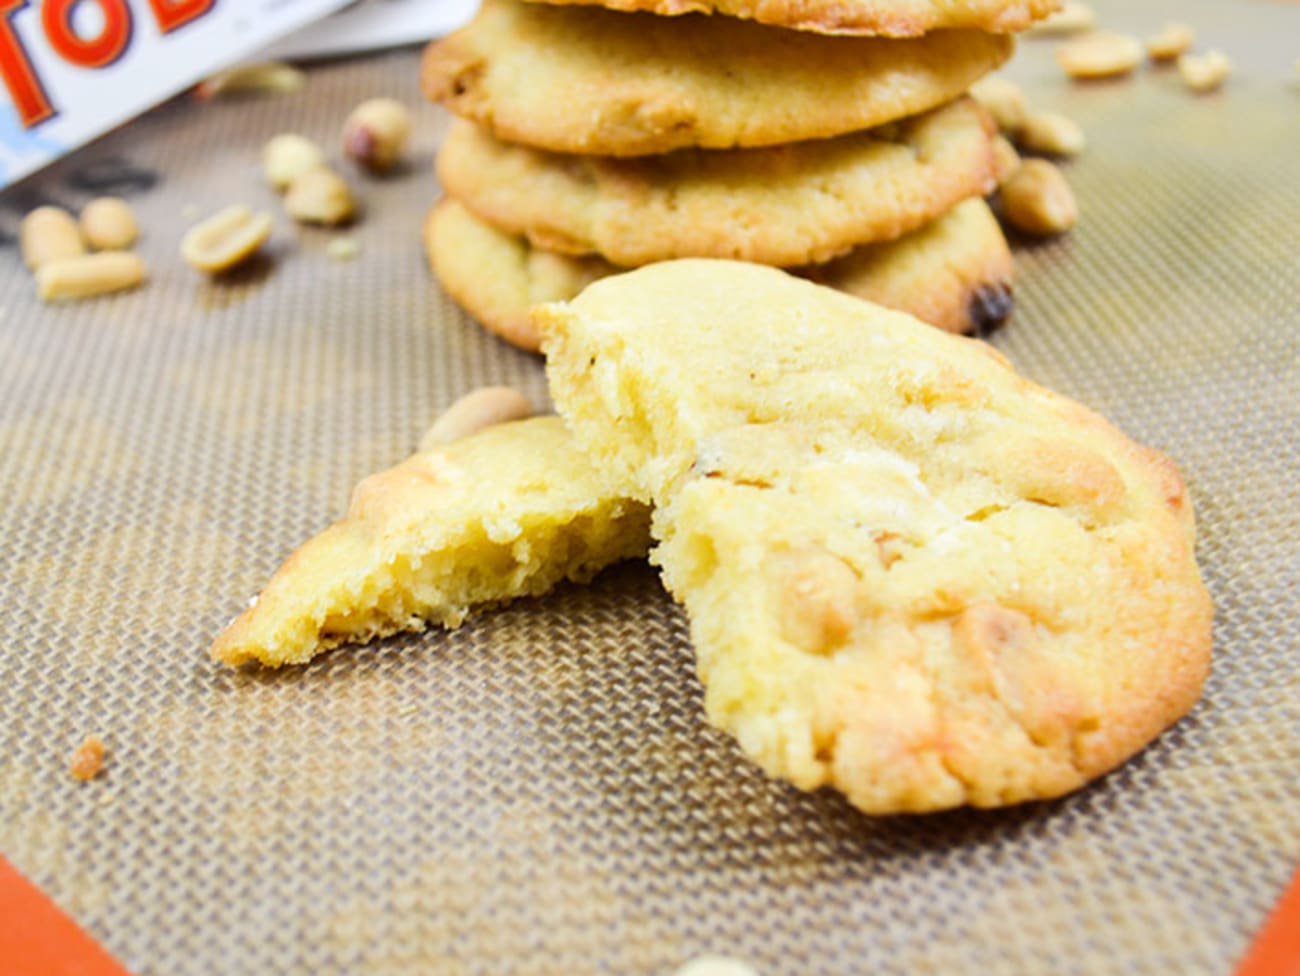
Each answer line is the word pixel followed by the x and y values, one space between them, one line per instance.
pixel 955 272
pixel 786 205
pixel 911 574
pixel 592 81
pixel 888 18
pixel 497 277
pixel 508 512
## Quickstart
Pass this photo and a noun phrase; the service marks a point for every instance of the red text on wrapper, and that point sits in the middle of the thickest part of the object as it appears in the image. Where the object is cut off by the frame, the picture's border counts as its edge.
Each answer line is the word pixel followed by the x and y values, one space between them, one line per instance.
pixel 109 43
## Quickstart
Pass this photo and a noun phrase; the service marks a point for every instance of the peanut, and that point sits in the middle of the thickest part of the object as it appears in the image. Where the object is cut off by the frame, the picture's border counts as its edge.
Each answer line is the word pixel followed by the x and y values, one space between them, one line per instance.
pixel 375 133
pixel 1051 133
pixel 1038 200
pixel 272 77
pixel 1173 40
pixel 108 224
pixel 1103 54
pixel 49 234
pixel 287 156
pixel 89 275
pixel 476 411
pixel 225 239
pixel 1072 18
pixel 1204 72
pixel 1004 101
pixel 1006 161
pixel 715 966
pixel 319 196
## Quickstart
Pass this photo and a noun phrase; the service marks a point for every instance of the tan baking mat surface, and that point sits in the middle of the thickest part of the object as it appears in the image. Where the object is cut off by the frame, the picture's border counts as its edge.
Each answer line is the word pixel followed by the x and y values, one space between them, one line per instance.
pixel 536 792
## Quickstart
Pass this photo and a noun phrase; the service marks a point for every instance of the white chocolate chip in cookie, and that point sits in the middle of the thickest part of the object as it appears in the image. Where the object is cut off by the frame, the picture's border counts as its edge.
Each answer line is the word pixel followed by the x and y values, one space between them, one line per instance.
pixel 816 596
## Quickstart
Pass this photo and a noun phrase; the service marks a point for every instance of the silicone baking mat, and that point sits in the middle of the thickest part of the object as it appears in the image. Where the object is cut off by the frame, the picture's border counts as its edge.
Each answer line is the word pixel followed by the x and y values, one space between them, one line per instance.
pixel 537 792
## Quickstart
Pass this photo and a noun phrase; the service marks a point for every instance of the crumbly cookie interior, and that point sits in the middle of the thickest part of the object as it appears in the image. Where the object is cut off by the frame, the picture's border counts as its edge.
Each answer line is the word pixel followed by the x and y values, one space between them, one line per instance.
pixel 509 512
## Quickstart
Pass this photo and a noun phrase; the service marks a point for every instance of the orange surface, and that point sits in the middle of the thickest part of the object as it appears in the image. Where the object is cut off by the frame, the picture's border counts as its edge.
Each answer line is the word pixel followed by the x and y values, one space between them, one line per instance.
pixel 37 939
pixel 1276 951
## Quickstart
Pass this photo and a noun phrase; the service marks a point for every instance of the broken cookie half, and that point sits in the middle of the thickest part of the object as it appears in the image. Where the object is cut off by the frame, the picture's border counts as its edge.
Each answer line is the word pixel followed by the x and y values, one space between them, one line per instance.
pixel 507 512
pixel 910 573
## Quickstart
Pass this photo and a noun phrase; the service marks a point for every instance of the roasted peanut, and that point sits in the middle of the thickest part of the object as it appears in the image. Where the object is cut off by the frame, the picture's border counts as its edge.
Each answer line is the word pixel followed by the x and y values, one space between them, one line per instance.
pixel 49 234
pixel 1051 133
pixel 1204 72
pixel 375 133
pixel 476 411
pixel 1103 54
pixel 271 77
pixel 225 239
pixel 1173 40
pixel 1006 161
pixel 287 156
pixel 89 275
pixel 319 196
pixel 1004 101
pixel 1038 200
pixel 108 224
pixel 1072 18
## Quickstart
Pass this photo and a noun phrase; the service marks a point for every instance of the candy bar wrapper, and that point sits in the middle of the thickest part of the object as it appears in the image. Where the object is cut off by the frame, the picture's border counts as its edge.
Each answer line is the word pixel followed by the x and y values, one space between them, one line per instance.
pixel 74 69
pixel 373 24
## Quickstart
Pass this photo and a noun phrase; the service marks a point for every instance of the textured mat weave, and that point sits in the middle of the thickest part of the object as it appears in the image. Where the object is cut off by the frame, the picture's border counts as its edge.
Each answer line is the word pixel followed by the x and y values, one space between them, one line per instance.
pixel 537 792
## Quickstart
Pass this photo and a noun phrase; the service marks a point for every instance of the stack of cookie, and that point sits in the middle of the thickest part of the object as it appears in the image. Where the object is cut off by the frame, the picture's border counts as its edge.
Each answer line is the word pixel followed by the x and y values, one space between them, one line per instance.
pixel 829 137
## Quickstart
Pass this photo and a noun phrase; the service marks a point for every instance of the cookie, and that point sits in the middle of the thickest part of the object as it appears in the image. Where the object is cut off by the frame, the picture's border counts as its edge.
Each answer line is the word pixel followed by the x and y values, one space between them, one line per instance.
pixel 800 203
pixel 508 512
pixel 887 18
pixel 911 574
pixel 955 272
pixel 586 80
pixel 497 277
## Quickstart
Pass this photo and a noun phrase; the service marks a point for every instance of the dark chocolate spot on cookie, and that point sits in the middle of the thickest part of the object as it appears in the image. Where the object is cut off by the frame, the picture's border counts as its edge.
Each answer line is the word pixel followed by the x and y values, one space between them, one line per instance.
pixel 990 306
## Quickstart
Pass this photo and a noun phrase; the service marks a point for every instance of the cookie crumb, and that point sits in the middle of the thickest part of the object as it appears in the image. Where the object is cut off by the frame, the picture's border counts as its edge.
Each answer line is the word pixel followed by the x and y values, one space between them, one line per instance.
pixel 87 759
